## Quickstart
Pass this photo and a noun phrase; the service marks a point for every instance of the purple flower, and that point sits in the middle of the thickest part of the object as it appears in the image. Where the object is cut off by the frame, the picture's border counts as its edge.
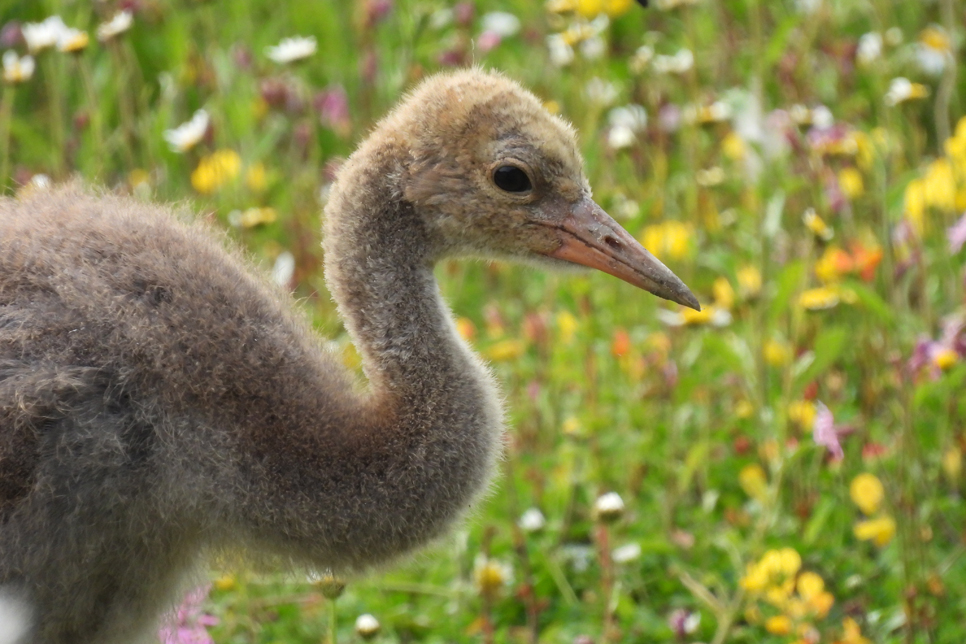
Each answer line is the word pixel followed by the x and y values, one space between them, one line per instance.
pixel 956 234
pixel 189 624
pixel 824 433
pixel 332 104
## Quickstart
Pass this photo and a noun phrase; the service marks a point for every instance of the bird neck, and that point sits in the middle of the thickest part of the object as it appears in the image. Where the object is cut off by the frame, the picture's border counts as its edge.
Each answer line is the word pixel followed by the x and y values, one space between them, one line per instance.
pixel 433 420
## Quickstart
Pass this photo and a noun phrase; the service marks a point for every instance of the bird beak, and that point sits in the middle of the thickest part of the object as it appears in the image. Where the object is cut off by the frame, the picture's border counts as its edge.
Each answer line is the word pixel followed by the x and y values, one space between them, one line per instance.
pixel 591 237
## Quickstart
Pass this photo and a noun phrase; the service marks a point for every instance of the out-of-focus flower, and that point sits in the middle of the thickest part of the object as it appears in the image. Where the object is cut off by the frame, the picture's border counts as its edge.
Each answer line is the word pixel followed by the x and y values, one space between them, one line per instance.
pixel 43 35
pixel 833 265
pixel 869 48
pixel 717 112
pixel 683 622
pixel 779 624
pixel 850 181
pixel 939 355
pixel 283 269
pixel 818 299
pixel 532 520
pixel 214 171
pixel 777 353
pixel 952 463
pixel 561 6
pixel 879 530
pixel 817 225
pixel 749 282
pixel 561 53
pixel 824 433
pixel 502 23
pixel 252 217
pixel 724 294
pixel 625 123
pixel 867 492
pixel 505 350
pixel 332 105
pixel 626 553
pixel 639 61
pixel 678 63
pixel 567 326
pixel 956 234
pixel 753 481
pixel 189 624
pixel 608 507
pixel 933 50
pixel 72 41
pixel 600 91
pixel 367 626
pixel 187 135
pixel 256 177
pixel 851 633
pixel 668 240
pixel 802 413
pixel 777 568
pixel 290 50
pixel 17 69
pixel 902 90
pixel 491 576
pixel 808 6
pixel 709 314
pixel 613 8
pixel 116 26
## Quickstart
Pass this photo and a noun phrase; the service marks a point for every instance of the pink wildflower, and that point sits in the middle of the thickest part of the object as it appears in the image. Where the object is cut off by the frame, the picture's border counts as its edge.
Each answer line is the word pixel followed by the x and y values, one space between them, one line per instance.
pixel 956 234
pixel 189 623
pixel 824 433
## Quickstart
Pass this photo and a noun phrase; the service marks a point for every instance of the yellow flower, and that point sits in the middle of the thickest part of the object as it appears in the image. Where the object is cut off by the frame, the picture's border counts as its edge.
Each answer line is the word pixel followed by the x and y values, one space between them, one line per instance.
pixel 952 463
pixel 818 299
pixel 225 582
pixel 851 634
pixel 940 185
pixel 733 146
pixel 744 409
pixel 73 41
pixel 214 171
pixel 809 584
pixel 778 625
pixel 777 353
pixel 724 295
pixel 817 225
pixel 707 315
pixel 613 8
pixel 567 325
pixel 749 281
pixel 802 413
pixel 867 492
pixel 935 38
pixel 137 176
pixel 945 358
pixel 753 481
pixel 491 575
pixel 257 216
pixel 667 240
pixel 466 329
pixel 506 350
pixel 880 530
pixel 833 264
pixel 255 177
pixel 850 180
pixel 914 204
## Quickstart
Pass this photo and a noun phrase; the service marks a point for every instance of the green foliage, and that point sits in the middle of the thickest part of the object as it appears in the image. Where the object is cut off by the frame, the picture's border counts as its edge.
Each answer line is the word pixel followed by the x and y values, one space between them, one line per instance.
pixel 702 423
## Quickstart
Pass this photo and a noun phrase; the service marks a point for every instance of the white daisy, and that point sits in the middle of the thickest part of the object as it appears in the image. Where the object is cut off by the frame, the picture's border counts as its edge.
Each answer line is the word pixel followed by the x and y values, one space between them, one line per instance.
pixel 116 26
pixel 43 35
pixel 502 23
pixel 187 135
pixel 291 50
pixel 17 69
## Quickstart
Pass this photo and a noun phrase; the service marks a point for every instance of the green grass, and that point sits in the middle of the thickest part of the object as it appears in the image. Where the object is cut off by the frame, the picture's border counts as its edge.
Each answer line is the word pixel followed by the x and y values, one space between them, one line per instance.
pixel 690 424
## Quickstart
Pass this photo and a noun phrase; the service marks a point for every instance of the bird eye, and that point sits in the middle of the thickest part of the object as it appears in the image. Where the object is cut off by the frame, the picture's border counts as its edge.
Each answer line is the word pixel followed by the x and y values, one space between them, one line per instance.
pixel 511 179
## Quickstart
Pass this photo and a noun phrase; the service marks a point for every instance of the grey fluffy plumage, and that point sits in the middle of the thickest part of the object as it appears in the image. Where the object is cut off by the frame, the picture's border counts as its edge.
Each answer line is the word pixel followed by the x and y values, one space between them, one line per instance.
pixel 160 402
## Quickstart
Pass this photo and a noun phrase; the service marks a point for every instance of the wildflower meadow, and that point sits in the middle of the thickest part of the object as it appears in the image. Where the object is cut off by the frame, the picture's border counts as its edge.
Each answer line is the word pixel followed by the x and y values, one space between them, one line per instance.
pixel 784 466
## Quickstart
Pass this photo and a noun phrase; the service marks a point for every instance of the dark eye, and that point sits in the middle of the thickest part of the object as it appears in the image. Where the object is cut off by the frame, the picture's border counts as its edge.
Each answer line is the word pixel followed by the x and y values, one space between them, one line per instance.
pixel 511 179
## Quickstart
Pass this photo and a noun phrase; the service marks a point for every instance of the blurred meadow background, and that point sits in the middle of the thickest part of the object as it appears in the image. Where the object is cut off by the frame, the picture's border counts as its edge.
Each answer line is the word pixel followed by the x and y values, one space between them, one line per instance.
pixel 785 466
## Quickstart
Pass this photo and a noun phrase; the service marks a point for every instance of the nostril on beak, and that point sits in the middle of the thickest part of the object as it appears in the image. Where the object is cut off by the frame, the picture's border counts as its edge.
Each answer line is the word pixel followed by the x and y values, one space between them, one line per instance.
pixel 613 242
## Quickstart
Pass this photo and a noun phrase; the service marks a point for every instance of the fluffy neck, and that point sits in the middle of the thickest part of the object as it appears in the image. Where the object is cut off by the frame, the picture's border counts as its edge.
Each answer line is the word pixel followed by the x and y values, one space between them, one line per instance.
pixel 427 434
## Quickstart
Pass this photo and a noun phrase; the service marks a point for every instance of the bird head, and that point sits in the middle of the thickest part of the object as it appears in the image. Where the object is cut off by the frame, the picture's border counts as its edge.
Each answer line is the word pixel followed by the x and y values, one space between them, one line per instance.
pixel 496 175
